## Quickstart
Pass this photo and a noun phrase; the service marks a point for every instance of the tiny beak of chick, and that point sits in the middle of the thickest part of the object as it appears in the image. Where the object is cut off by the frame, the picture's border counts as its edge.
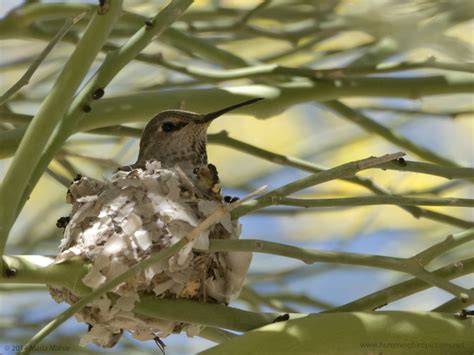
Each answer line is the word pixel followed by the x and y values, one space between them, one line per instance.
pixel 207 118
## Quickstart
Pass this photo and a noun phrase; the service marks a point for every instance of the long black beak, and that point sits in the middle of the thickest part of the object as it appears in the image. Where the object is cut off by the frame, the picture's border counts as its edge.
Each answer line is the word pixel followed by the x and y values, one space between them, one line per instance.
pixel 213 115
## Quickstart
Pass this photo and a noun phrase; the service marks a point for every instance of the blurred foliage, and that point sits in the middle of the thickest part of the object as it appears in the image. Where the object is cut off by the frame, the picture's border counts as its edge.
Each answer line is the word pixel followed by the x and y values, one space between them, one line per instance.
pixel 335 40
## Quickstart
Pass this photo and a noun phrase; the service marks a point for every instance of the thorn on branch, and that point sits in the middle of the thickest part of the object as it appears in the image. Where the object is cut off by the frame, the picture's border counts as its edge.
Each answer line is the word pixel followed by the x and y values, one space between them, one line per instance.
pixel 465 313
pixel 86 108
pixel 282 318
pixel 98 94
pixel 379 306
pixel 401 161
pixel 372 161
pixel 149 23
pixel 9 272
pixel 104 6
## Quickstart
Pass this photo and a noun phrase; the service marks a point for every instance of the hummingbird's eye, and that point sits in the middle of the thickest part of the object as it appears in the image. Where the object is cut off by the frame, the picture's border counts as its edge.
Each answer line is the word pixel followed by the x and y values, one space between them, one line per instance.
pixel 168 127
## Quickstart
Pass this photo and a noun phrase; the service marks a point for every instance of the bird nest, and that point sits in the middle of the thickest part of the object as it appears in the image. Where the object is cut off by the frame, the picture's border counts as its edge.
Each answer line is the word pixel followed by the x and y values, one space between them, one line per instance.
pixel 115 224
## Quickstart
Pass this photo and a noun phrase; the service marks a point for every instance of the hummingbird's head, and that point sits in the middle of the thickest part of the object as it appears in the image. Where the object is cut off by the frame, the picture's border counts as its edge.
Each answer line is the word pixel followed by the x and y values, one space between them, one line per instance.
pixel 179 137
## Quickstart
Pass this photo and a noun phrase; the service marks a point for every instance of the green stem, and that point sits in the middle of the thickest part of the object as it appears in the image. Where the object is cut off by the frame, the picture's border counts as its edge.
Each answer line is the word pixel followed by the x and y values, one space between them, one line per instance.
pixel 37 269
pixel 213 315
pixel 450 242
pixel 372 126
pixel 140 107
pixel 404 289
pixel 383 332
pixel 7 140
pixel 465 295
pixel 448 172
pixel 25 79
pixel 296 298
pixel 377 200
pixel 417 112
pixel 341 171
pixel 311 256
pixel 397 67
pixel 16 25
pixel 216 335
pixel 308 256
pixel 452 306
pixel 222 138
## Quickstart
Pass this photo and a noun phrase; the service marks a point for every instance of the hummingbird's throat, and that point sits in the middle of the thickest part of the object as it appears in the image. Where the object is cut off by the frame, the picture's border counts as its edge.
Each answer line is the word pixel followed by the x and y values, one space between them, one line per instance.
pixel 187 156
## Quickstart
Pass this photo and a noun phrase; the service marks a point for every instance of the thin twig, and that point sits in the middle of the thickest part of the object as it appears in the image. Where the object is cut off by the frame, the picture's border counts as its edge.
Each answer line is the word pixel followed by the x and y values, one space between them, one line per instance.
pixel 59 178
pixel 417 112
pixel 308 256
pixel 223 138
pixel 372 126
pixel 450 242
pixel 338 172
pixel 451 306
pixel 25 79
pixel 406 288
pixel 377 200
pixel 396 67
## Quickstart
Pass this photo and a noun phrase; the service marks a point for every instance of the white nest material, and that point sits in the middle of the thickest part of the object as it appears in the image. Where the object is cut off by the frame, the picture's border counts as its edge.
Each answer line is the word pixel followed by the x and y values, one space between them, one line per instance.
pixel 117 223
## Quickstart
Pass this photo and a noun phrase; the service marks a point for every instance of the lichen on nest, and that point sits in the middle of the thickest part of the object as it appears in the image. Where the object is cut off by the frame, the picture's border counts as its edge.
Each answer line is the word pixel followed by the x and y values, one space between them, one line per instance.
pixel 114 224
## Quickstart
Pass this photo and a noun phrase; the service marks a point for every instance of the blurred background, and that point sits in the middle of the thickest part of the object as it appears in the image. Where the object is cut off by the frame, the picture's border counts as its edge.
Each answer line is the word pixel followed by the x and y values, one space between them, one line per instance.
pixel 311 34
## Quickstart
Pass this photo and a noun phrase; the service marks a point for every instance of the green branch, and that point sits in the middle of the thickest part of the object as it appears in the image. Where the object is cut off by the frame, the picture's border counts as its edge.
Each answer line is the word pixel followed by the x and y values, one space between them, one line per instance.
pixel 31 269
pixel 18 23
pixel 383 332
pixel 372 126
pixel 377 200
pixel 308 256
pixel 7 142
pixel 140 107
pixel 417 112
pixel 25 79
pixel 216 335
pixel 396 67
pixel 37 269
pixel 254 71
pixel 213 315
pixel 222 138
pixel 296 298
pixel 42 270
pixel 437 189
pixel 341 171
pixel 450 242
pixel 18 177
pixel 403 289
pixel 448 172
pixel 451 306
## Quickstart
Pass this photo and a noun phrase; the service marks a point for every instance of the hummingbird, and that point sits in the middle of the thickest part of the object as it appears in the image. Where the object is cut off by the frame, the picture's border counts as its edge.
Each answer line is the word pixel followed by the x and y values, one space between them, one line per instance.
pixel 179 138
pixel 108 219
